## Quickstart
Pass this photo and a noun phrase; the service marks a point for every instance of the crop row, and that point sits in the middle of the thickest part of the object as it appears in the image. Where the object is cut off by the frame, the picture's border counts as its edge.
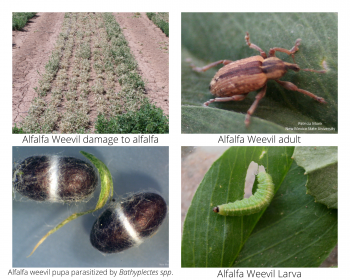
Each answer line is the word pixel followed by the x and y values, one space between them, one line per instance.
pixel 80 83
pixel 19 20
pixel 161 20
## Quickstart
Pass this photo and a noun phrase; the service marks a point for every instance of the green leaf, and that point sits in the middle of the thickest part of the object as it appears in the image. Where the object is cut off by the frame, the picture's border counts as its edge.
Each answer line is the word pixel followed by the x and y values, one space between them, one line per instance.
pixel 209 37
pixel 213 240
pixel 315 158
pixel 212 120
pixel 321 165
pixel 294 231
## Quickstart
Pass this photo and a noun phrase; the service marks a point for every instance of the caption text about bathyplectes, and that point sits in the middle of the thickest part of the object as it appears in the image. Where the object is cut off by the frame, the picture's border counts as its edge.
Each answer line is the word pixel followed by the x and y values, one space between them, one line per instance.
pixel 91 271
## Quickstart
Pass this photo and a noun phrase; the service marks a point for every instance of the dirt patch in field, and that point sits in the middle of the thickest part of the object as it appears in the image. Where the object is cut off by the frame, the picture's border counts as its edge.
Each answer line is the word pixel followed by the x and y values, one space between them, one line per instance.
pixel 150 48
pixel 31 49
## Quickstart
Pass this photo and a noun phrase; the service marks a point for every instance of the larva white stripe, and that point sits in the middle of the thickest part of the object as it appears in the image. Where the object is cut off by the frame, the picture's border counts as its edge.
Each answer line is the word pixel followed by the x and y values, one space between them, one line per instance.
pixel 53 173
pixel 128 227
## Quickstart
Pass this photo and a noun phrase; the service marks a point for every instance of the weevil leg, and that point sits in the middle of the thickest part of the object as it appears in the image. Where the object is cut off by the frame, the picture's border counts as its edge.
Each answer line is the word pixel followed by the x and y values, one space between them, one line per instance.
pixel 291 86
pixel 252 108
pixel 324 66
pixel 253 46
pixel 225 99
pixel 291 52
pixel 211 65
pixel 315 71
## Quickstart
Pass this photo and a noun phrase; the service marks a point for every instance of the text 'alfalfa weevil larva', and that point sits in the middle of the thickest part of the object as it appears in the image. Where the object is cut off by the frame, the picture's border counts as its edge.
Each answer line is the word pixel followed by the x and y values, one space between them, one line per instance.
pixel 236 79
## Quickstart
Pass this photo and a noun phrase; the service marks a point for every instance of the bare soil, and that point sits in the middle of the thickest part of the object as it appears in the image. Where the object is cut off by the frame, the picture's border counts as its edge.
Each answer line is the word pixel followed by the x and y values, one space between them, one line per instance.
pixel 32 47
pixel 150 48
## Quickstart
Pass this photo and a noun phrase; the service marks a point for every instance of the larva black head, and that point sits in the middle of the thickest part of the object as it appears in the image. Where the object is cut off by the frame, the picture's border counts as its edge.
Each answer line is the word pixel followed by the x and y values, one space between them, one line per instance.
pixel 126 224
pixel 216 209
pixel 54 178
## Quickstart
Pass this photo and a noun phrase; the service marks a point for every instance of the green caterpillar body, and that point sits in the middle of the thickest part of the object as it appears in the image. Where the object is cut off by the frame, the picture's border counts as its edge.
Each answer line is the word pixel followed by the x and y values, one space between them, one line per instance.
pixel 253 204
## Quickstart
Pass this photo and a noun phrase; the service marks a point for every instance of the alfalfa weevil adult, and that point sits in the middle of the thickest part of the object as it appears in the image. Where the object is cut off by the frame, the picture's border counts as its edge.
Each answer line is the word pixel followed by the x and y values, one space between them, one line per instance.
pixel 236 79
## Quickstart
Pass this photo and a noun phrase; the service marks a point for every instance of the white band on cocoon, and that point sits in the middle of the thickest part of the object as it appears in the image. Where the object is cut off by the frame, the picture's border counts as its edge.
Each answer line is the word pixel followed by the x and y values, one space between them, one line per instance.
pixel 54 173
pixel 128 226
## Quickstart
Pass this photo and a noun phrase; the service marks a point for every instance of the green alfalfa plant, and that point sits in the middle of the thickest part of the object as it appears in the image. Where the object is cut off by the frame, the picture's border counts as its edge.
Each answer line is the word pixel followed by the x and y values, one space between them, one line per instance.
pixel 161 20
pixel 19 20
pixel 148 119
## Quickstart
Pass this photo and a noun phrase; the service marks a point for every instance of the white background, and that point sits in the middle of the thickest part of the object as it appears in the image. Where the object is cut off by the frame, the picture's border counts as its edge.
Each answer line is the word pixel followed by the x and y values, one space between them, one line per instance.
pixel 175 140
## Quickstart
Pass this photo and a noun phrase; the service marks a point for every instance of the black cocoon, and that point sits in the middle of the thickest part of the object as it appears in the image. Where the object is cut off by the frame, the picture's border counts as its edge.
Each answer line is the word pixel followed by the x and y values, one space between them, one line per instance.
pixel 126 224
pixel 55 178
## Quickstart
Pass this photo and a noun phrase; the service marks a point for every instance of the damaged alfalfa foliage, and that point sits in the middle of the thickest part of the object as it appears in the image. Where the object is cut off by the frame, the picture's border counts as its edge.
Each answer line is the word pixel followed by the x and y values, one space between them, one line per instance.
pixel 148 119
pixel 91 68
